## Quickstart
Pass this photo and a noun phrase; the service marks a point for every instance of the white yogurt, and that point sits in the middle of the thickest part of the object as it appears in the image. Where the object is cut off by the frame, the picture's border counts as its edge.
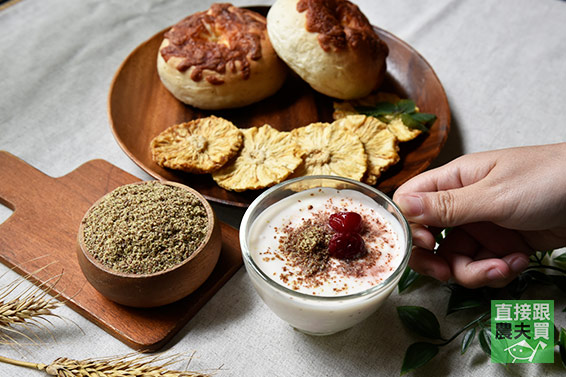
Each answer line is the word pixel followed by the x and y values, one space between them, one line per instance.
pixel 337 300
pixel 382 240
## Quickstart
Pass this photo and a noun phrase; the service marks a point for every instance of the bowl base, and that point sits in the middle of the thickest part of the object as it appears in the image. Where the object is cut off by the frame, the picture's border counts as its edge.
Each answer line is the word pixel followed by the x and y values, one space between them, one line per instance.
pixel 311 333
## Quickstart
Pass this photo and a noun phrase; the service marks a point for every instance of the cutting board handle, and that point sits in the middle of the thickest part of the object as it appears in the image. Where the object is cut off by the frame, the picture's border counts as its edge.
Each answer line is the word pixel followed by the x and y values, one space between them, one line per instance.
pixel 18 181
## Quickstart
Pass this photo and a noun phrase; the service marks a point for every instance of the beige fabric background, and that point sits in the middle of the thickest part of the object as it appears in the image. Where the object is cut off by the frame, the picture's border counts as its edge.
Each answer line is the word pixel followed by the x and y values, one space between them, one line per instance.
pixel 502 63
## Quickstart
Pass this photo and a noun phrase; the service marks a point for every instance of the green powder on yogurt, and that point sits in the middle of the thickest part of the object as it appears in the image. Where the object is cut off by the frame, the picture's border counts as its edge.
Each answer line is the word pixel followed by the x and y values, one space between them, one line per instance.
pixel 145 228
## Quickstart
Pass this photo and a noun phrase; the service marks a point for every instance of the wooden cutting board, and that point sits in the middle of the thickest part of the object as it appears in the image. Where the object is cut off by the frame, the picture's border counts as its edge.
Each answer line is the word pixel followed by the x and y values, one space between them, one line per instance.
pixel 39 239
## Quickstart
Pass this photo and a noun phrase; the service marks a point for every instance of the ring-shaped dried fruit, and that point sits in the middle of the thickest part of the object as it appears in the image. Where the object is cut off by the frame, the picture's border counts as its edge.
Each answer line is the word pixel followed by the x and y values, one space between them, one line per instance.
pixel 330 149
pixel 267 157
pixel 379 143
pixel 199 146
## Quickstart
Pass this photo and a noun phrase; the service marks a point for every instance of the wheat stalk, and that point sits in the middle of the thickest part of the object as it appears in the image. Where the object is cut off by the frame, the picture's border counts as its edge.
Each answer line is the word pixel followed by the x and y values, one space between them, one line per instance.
pixel 25 308
pixel 28 308
pixel 124 366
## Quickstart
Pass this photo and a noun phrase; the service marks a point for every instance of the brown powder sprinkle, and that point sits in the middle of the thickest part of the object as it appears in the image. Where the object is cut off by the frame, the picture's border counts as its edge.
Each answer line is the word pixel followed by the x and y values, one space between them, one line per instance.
pixel 307 247
pixel 145 228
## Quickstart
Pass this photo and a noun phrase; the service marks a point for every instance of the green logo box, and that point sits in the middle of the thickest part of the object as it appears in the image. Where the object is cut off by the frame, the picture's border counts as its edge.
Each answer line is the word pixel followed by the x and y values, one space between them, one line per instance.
pixel 522 331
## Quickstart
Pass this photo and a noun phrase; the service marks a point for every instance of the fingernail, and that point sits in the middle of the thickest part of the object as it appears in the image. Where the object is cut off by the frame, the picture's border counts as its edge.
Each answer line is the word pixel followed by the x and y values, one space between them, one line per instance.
pixel 518 264
pixel 410 205
pixel 494 274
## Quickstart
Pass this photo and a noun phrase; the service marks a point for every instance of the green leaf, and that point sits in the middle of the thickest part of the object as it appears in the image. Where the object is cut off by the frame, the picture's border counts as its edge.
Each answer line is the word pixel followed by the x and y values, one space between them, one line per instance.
pixel 561 259
pixel 544 254
pixel 406 106
pixel 484 337
pixel 380 108
pixel 424 118
pixel 420 321
pixel 440 236
pixel 463 298
pixel 407 279
pixel 562 346
pixel 410 122
pixel 462 303
pixel 406 109
pixel 417 355
pixel 468 339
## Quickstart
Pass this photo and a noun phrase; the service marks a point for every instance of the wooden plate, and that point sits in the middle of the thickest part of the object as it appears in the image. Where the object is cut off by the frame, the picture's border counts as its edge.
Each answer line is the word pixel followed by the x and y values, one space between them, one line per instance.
pixel 140 108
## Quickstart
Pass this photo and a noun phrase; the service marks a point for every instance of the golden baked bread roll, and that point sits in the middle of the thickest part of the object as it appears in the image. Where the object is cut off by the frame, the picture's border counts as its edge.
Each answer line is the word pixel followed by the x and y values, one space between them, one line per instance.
pixel 330 44
pixel 220 58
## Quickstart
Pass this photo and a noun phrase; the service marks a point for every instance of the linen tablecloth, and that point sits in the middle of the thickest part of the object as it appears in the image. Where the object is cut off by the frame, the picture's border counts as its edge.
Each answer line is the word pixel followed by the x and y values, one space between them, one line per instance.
pixel 502 64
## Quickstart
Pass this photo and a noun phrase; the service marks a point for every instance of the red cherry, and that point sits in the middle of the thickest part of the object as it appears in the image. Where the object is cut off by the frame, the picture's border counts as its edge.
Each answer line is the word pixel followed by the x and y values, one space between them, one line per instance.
pixel 347 246
pixel 346 222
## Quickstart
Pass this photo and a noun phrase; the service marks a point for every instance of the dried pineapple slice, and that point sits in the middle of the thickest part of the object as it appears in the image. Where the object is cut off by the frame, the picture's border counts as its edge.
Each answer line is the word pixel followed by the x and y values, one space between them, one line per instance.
pixel 402 132
pixel 379 143
pixel 267 157
pixel 343 109
pixel 330 150
pixel 395 124
pixel 198 146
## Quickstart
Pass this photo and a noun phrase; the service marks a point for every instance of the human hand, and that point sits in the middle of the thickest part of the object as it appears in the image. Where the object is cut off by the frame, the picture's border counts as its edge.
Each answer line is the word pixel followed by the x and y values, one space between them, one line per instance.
pixel 502 205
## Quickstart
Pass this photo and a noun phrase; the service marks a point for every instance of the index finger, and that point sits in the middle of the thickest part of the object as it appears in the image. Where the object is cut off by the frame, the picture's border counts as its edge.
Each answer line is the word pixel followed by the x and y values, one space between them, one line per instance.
pixel 461 172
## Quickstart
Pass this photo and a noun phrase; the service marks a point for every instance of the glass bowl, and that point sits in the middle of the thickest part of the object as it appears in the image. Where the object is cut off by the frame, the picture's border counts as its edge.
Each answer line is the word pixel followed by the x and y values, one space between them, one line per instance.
pixel 320 314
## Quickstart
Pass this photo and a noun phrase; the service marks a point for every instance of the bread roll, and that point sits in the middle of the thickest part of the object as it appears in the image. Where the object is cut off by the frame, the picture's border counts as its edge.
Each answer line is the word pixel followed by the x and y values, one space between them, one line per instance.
pixel 330 44
pixel 220 58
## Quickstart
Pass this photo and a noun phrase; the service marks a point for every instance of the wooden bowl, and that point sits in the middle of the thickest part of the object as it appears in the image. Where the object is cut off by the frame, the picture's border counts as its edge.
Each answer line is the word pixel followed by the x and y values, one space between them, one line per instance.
pixel 160 288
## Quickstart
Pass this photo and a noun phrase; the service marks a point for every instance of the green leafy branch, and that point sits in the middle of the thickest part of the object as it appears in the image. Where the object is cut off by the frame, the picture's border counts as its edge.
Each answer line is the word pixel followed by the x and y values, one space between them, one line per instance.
pixel 406 109
pixel 534 273
pixel 538 262
pixel 424 323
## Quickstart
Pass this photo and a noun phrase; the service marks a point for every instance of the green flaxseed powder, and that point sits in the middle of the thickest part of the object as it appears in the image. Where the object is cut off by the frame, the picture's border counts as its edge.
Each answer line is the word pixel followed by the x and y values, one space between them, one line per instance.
pixel 145 228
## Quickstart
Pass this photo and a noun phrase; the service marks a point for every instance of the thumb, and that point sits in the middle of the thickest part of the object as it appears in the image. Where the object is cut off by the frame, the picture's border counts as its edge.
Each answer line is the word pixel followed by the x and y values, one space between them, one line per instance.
pixel 446 208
